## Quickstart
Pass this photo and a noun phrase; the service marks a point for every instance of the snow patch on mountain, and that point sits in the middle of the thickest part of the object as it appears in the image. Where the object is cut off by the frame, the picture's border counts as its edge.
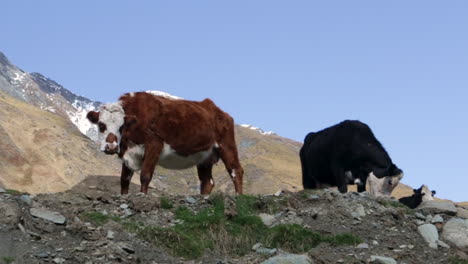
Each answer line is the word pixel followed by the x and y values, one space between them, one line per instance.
pixel 259 130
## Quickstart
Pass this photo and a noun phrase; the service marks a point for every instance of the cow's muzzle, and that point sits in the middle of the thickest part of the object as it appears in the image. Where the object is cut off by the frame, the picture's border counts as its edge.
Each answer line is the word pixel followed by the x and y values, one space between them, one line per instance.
pixel 111 149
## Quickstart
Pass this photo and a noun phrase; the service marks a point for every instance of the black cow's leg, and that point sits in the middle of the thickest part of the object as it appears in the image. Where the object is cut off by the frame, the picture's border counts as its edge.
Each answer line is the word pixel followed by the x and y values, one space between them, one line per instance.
pixel 361 175
pixel 125 177
pixel 206 179
pixel 152 152
pixel 340 178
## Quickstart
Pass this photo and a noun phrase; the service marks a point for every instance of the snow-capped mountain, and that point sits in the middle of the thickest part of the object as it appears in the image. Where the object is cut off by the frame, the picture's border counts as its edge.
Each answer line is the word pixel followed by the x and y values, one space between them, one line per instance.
pixel 259 130
pixel 45 93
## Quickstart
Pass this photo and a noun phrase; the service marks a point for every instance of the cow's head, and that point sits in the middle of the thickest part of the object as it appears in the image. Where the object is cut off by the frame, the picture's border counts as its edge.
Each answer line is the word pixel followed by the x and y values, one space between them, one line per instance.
pixel 391 170
pixel 109 120
pixel 428 195
pixel 383 186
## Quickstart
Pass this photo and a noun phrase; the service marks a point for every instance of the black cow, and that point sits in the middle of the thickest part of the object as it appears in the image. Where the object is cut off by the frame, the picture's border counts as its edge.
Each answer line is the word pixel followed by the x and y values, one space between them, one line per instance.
pixel 419 195
pixel 349 146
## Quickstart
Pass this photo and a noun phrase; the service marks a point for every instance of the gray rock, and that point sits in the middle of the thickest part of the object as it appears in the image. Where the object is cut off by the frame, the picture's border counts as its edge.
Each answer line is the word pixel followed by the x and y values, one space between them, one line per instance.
pixel 34 235
pixel 10 213
pixel 124 206
pixel 428 218
pixel 58 260
pixel 190 200
pixel 429 233
pixel 462 213
pixel 289 259
pixel 442 244
pixel 437 207
pixel 314 197
pixel 433 245
pixel 48 215
pixel 278 193
pixel 2 190
pixel 363 246
pixel 26 199
pixel 256 246
pixel 266 251
pixel 267 219
pixel 110 234
pixel 127 248
pixel 456 231
pixel 358 211
pixel 437 219
pixel 420 216
pixel 42 255
pixel 420 222
pixel 382 260
pixel 375 242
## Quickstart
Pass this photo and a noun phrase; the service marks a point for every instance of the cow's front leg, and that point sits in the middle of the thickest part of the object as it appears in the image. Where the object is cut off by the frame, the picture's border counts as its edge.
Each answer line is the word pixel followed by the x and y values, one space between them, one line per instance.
pixel 340 178
pixel 152 152
pixel 125 177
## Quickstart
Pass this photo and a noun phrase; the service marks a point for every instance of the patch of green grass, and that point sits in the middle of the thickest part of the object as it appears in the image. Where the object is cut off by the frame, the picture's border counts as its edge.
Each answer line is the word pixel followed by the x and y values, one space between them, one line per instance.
pixel 394 204
pixel 98 218
pixel 166 203
pixel 457 260
pixel 13 192
pixel 210 229
pixel 8 260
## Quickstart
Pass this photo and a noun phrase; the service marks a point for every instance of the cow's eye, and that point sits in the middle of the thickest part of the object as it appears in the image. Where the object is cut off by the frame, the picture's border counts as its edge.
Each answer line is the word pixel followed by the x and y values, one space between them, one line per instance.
pixel 102 127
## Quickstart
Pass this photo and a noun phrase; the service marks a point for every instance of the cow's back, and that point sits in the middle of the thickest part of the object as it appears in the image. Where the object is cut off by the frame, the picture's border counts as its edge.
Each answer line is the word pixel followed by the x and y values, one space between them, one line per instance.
pixel 175 121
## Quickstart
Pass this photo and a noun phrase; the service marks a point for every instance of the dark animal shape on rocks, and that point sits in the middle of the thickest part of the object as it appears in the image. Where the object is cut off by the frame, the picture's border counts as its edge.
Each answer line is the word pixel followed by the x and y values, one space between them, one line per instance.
pixel 345 153
pixel 419 195
pixel 146 130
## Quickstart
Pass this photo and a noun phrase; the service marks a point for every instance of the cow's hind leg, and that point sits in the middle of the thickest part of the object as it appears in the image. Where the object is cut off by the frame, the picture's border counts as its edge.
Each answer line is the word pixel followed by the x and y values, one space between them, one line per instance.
pixel 228 152
pixel 125 177
pixel 205 176
pixel 152 151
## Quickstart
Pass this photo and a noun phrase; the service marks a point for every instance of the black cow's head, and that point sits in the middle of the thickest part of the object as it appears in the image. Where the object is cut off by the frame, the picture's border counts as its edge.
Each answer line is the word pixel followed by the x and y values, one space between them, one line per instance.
pixel 391 170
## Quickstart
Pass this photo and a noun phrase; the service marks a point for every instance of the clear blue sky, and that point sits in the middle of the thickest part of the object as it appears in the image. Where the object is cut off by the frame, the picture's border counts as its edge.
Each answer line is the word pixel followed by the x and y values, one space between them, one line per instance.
pixel 286 66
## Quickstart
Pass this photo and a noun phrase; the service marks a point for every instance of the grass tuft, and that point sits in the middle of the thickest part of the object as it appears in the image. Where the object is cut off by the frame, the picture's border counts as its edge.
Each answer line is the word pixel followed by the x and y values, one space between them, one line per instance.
pixel 210 229
pixel 12 192
pixel 7 260
pixel 166 203
pixel 99 219
pixel 457 260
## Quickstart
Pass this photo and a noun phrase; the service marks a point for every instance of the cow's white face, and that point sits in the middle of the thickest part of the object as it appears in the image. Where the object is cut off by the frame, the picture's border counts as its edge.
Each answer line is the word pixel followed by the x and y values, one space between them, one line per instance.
pixel 110 120
pixel 383 186
pixel 427 194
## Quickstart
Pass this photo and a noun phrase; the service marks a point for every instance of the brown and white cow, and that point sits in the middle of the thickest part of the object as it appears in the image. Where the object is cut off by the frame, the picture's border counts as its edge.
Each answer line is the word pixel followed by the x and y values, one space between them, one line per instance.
pixel 146 130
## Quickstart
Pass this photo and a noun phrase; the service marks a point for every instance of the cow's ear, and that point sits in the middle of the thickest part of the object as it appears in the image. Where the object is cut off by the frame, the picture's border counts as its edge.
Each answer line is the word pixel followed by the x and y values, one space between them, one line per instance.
pixel 394 170
pixel 415 191
pixel 93 117
pixel 129 120
pixel 433 193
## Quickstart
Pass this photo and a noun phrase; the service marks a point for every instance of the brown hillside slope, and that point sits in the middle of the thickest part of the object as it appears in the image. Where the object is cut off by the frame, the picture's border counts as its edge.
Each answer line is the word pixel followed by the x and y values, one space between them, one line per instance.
pixel 44 152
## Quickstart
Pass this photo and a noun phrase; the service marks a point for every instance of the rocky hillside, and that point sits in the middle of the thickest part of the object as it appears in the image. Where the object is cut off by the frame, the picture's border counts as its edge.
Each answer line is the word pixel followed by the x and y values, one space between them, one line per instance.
pixel 42 92
pixel 43 152
pixel 89 224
